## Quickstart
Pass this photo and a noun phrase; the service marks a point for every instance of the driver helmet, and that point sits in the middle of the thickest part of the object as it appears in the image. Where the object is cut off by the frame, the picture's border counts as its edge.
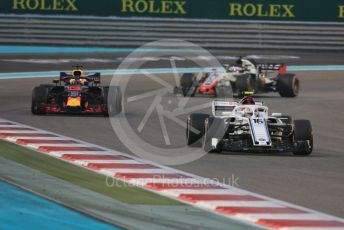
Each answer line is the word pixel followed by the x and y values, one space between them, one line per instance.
pixel 77 73
pixel 247 101
pixel 235 69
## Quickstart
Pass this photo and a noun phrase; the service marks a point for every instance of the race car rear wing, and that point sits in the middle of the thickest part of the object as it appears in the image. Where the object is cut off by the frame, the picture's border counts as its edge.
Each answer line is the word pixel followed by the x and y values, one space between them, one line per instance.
pixel 223 108
pixel 280 67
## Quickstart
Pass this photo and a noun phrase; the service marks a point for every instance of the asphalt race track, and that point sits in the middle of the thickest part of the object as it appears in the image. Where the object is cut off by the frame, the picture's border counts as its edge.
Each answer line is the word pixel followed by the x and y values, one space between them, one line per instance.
pixel 314 182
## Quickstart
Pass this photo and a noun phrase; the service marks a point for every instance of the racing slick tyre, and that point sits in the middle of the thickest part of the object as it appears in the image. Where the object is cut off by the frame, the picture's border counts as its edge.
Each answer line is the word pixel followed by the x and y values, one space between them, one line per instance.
pixel 288 85
pixel 114 103
pixel 194 129
pixel 186 83
pixel 223 92
pixel 39 99
pixel 303 137
pixel 244 83
pixel 213 128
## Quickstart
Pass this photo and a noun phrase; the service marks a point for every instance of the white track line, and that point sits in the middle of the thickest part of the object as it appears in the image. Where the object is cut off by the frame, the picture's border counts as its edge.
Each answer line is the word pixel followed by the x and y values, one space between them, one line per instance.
pixel 112 172
pixel 60 153
pixel 10 126
pixel 178 192
pixel 14 139
pixel 19 131
pixel 311 228
pixel 86 162
pixel 215 204
pixel 36 146
pixel 256 217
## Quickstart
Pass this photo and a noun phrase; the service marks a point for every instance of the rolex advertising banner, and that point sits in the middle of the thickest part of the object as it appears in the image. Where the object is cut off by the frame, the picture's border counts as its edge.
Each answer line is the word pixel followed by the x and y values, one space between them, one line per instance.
pixel 277 10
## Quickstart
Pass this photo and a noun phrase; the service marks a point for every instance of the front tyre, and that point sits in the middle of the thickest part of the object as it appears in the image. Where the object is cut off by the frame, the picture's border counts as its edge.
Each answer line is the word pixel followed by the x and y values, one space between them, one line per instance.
pixel 187 85
pixel 303 136
pixel 214 128
pixel 39 99
pixel 194 129
pixel 112 99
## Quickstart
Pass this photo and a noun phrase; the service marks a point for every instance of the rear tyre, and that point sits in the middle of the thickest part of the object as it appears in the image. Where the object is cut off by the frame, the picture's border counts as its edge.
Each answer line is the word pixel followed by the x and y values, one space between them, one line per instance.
pixel 288 85
pixel 187 84
pixel 303 134
pixel 194 129
pixel 39 99
pixel 112 99
pixel 244 83
pixel 213 128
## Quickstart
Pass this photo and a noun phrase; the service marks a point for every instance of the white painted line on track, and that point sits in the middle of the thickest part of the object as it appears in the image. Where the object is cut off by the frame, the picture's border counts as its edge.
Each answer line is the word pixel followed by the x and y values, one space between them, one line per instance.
pixel 36 146
pixel 256 217
pixel 108 161
pixel 311 228
pixel 12 126
pixel 112 172
pixel 18 131
pixel 60 153
pixel 215 204
pixel 37 138
pixel 177 192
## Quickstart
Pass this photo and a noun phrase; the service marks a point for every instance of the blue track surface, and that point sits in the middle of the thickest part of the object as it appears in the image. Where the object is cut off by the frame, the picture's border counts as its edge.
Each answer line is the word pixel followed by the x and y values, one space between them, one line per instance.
pixel 22 210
